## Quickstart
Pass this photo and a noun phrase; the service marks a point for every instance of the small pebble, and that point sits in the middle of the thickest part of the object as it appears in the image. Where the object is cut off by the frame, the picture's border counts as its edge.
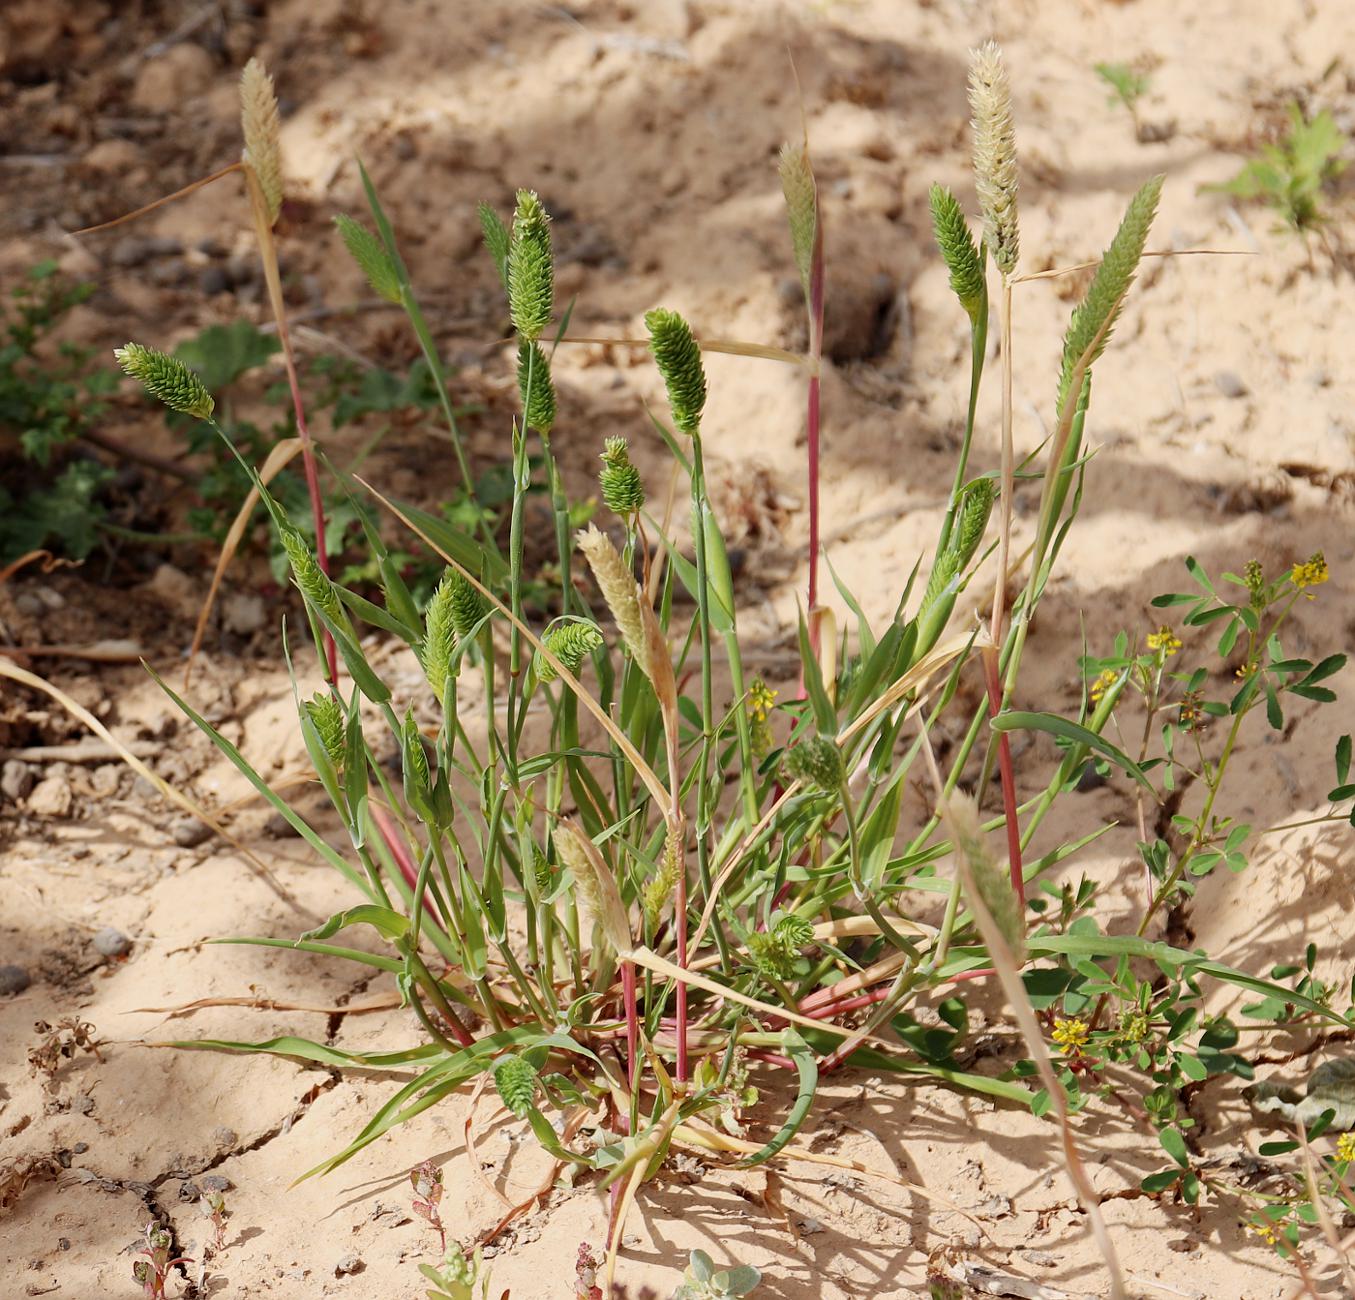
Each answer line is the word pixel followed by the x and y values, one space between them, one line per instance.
pixel 51 798
pixel 349 1264
pixel 188 832
pixel 83 1104
pixel 1230 384
pixel 13 980
pixel 215 1183
pixel 225 1137
pixel 16 779
pixel 110 942
pixel 188 1190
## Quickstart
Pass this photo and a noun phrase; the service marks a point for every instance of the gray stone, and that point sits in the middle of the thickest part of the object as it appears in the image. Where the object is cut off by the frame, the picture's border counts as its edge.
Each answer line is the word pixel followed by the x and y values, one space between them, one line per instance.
pixel 16 779
pixel 188 832
pixel 111 942
pixel 348 1265
pixel 1230 384
pixel 242 612
pixel 215 1183
pixel 13 980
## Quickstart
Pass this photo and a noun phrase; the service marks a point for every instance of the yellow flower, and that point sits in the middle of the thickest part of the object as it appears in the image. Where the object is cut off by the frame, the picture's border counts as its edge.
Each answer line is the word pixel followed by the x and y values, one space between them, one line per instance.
pixel 1243 671
pixel 1263 1231
pixel 1071 1035
pixel 1164 641
pixel 761 699
pixel 1311 573
pixel 1345 1146
pixel 1102 683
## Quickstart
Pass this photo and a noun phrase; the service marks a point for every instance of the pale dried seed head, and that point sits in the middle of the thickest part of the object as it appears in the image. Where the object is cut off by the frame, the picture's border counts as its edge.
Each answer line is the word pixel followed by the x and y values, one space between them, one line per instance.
pixel 261 128
pixel 995 179
pixel 595 883
pixel 620 591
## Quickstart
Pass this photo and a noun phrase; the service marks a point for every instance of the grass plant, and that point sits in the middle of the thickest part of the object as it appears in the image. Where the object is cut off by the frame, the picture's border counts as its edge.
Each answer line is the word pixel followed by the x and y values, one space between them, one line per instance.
pixel 631 882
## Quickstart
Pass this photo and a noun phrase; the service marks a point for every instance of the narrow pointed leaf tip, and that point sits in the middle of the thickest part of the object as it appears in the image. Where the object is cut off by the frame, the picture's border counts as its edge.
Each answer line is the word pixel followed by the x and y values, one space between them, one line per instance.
pixel 679 360
pixel 167 379
pixel 260 126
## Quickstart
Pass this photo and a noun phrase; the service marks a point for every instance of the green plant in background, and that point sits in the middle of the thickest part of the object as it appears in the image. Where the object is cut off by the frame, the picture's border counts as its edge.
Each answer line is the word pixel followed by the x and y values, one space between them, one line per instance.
pixel 703 1281
pixel 646 881
pixel 50 396
pixel 1127 86
pixel 1291 175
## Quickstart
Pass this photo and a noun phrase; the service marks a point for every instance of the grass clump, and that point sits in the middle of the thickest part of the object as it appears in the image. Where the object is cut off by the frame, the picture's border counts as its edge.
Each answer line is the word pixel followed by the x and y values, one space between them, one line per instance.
pixel 645 878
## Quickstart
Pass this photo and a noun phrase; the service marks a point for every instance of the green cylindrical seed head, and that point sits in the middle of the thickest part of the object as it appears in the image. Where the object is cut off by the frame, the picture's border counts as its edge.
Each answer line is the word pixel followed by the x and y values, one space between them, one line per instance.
pixel 531 271
pixel 538 406
pixel 595 884
pixel 167 379
pixel 327 717
pixel 958 251
pixel 679 360
pixel 975 506
pixel 802 209
pixel 658 892
pixel 515 1080
pixel 816 762
pixel 570 643
pixel 620 591
pixel 310 579
pixel 623 491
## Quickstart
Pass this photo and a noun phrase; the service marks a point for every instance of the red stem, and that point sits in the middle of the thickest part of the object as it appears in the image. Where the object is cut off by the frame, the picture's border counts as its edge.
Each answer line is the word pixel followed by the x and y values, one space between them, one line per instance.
pixel 830 1009
pixel 632 1023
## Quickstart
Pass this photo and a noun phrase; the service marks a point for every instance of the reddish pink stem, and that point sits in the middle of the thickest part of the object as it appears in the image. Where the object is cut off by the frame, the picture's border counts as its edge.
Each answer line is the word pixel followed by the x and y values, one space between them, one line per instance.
pixel 830 1009
pixel 632 1022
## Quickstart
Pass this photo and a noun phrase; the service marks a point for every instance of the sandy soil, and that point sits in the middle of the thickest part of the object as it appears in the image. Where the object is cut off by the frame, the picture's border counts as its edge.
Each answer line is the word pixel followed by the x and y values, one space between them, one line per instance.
pixel 1224 427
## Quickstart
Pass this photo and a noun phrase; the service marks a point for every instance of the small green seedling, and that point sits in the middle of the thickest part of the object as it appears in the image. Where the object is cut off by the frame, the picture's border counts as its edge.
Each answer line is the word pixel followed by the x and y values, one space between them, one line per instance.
pixel 1127 86
pixel 1291 174
pixel 459 1278
pixel 703 1281
pixel 153 1271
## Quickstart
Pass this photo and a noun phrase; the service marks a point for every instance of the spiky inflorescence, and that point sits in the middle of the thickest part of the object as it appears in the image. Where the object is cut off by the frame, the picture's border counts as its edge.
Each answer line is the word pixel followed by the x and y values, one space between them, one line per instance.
pixel 679 360
pixel 595 884
pixel 531 271
pixel 976 504
pixel 770 955
pixel 794 932
pixel 371 256
pixel 623 491
pixel 1095 316
pixel 992 882
pixel 570 643
pixel 167 378
pixel 327 718
pixel 538 405
pixel 496 240
pixel 817 762
pixel 515 1080
pixel 310 580
pixel 620 591
pixel 439 635
pixel 990 101
pixel 958 250
pixel 658 891
pixel 802 208
pixel 261 129
pixel 416 756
